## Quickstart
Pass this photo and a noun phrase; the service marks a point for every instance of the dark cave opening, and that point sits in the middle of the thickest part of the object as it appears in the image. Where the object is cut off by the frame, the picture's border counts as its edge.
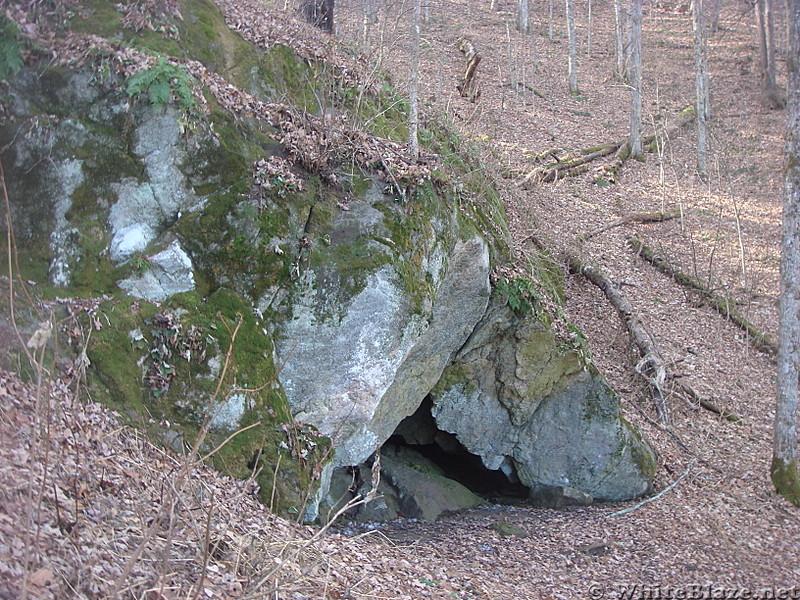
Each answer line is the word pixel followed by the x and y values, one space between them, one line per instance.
pixel 419 432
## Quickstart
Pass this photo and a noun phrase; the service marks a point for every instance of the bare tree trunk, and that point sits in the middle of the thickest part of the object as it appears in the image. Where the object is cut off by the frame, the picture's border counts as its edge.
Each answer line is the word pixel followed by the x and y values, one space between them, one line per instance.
pixel 766 53
pixel 784 457
pixel 769 10
pixel 523 16
pixel 589 29
pixel 761 31
pixel 716 7
pixel 370 17
pixel 413 86
pixel 635 72
pixel 619 38
pixel 550 20
pixel 319 13
pixel 701 85
pixel 573 59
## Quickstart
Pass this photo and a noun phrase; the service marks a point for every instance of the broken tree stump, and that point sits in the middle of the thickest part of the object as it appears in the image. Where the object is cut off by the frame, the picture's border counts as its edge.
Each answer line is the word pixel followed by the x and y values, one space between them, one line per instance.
pixel 468 86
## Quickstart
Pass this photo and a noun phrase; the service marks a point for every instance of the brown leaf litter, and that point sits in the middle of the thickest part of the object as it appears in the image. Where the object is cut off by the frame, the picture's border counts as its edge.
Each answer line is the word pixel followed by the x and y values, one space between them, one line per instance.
pixel 88 506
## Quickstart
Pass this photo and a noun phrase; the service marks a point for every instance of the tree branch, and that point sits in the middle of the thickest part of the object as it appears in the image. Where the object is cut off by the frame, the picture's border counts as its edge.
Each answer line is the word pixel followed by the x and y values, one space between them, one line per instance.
pixel 724 306
pixel 653 498
pixel 569 167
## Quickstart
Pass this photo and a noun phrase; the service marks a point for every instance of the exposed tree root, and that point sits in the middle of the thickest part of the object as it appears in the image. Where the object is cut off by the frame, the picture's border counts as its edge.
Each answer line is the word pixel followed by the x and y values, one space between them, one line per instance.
pixel 724 306
pixel 571 165
pixel 652 365
pixel 639 217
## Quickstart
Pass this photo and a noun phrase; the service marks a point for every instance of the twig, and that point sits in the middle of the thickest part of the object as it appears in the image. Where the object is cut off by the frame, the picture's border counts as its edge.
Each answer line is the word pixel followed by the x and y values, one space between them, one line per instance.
pixel 639 217
pixel 274 483
pixel 653 498
pixel 189 462
pixel 225 441
pixel 12 257
pixel 352 503
pixel 206 550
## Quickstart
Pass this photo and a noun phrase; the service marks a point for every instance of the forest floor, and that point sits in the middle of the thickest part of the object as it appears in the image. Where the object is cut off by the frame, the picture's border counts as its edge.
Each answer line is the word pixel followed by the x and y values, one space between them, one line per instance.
pixel 721 530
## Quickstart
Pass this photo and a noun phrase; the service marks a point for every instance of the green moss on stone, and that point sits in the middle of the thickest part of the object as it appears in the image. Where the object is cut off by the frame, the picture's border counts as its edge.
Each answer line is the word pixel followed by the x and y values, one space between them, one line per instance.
pixel 120 360
pixel 117 379
pixel 360 185
pixel 600 404
pixel 644 458
pixel 786 480
pixel 455 376
pixel 283 75
pixel 229 235
pixel 544 368
pixel 96 17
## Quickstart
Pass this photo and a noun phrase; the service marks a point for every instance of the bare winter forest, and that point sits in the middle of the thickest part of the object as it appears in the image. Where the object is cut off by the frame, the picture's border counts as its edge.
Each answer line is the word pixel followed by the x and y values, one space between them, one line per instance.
pixel 697 256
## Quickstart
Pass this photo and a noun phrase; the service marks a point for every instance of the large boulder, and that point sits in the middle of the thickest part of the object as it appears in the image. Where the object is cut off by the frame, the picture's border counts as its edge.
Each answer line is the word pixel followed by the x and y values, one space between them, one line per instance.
pixel 362 345
pixel 357 370
pixel 426 495
pixel 514 394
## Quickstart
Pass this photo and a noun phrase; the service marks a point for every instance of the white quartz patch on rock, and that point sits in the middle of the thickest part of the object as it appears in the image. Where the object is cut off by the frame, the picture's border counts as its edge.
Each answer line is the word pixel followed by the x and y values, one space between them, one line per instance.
pixel 170 272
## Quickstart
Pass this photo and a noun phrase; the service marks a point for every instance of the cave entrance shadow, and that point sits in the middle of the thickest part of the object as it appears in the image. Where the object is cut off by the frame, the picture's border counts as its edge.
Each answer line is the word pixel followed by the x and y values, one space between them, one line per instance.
pixel 420 433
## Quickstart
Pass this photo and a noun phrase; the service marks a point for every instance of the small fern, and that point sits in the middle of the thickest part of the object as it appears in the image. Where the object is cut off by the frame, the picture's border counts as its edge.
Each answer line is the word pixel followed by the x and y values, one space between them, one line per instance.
pixel 162 82
pixel 10 48
pixel 521 295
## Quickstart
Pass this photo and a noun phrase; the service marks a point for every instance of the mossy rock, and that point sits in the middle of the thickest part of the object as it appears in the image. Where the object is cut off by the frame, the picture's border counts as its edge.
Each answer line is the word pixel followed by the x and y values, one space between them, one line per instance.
pixel 236 387
pixel 508 529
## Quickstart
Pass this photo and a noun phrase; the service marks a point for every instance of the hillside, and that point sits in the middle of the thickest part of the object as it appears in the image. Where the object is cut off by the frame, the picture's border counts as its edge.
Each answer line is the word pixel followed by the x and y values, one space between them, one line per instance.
pixel 154 524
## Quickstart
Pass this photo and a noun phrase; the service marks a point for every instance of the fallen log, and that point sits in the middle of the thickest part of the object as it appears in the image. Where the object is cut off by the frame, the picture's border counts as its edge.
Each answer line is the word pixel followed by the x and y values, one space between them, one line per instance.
pixel 724 306
pixel 567 166
pixel 571 167
pixel 468 86
pixel 710 406
pixel 638 217
pixel 652 366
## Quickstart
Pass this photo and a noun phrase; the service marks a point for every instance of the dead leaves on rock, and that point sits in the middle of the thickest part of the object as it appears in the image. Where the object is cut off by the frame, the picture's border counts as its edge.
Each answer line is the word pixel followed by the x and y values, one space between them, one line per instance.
pixel 320 143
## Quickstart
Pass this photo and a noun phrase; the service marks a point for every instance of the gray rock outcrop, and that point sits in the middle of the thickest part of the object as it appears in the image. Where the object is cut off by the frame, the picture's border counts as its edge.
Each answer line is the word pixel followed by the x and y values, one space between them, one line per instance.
pixel 355 371
pixel 513 394
pixel 376 295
